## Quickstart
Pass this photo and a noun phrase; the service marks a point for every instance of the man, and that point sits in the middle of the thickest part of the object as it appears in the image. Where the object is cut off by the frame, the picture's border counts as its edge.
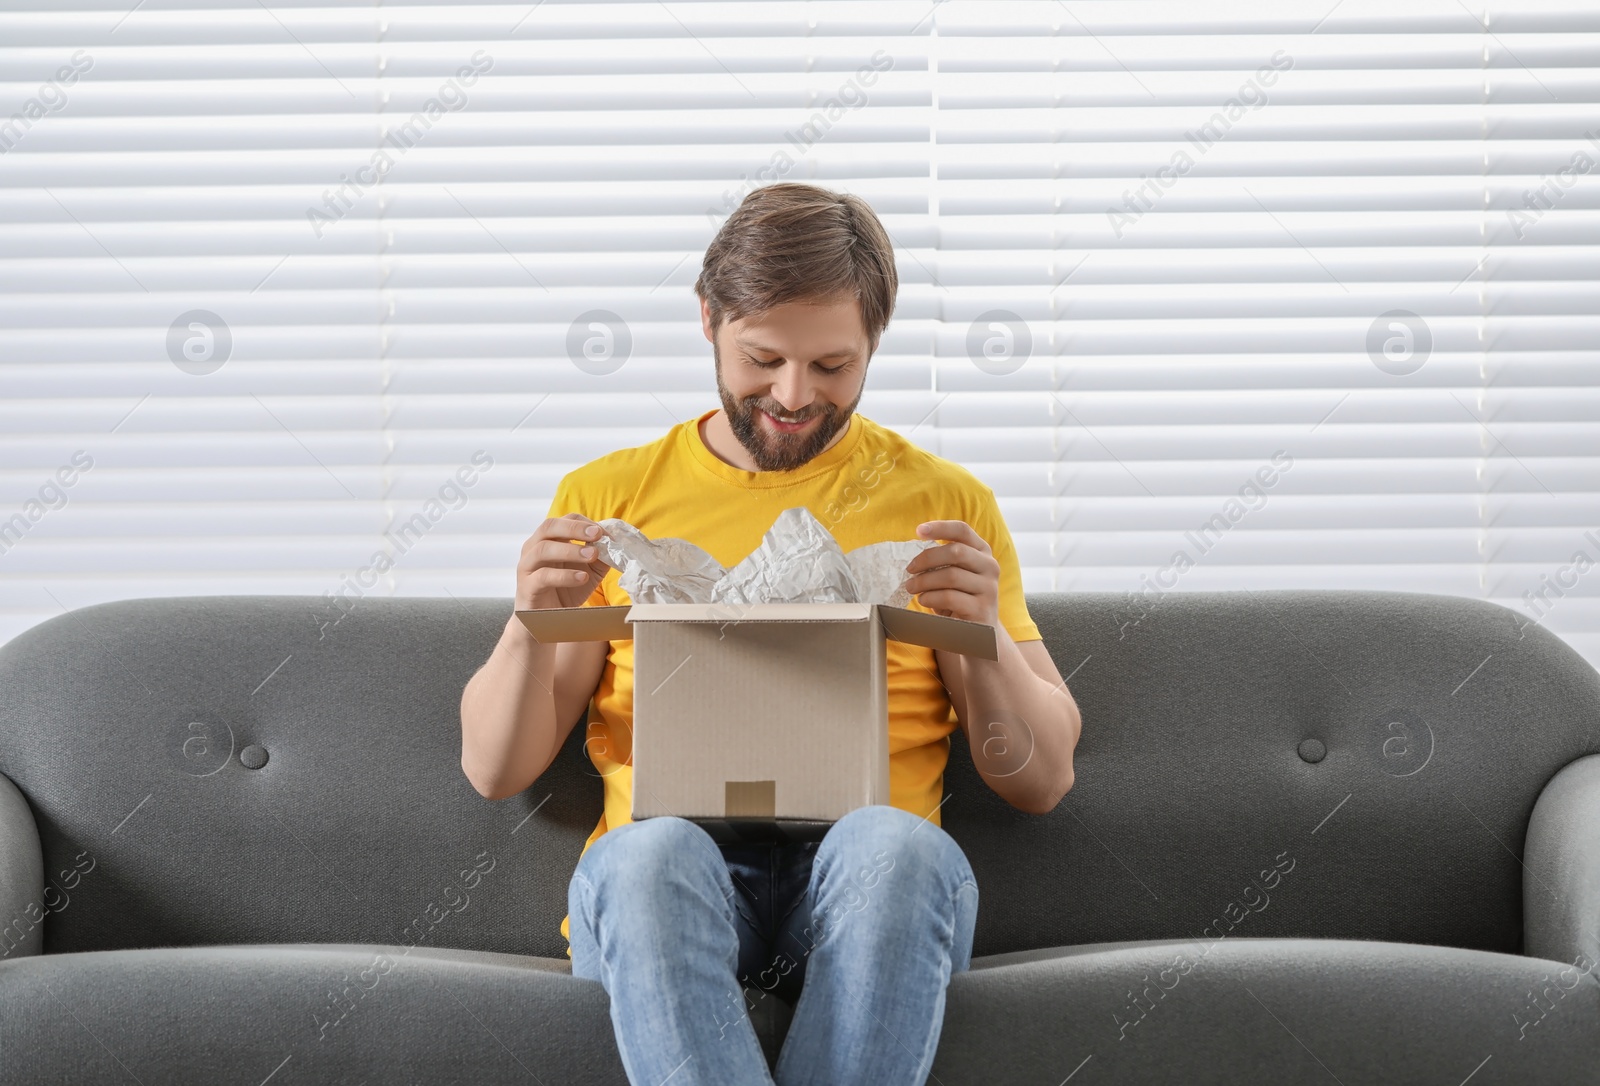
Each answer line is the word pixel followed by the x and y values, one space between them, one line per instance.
pixel 862 930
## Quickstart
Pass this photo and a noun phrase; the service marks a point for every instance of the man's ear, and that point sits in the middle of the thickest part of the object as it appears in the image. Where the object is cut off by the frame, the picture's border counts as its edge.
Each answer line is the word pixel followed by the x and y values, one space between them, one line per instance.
pixel 705 320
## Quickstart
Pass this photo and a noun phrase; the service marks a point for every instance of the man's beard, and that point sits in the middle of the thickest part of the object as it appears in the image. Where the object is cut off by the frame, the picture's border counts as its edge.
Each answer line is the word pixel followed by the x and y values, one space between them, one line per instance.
pixel 770 449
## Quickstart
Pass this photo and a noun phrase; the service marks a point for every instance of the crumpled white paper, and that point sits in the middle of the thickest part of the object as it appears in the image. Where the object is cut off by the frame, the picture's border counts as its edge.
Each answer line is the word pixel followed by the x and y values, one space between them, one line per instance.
pixel 798 561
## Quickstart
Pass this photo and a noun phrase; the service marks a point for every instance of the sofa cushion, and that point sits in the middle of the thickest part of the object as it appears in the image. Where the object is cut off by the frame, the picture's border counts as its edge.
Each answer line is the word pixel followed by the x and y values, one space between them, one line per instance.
pixel 1342 764
pixel 1246 1010
pixel 1321 764
pixel 303 1013
pixel 1268 1010
pixel 129 727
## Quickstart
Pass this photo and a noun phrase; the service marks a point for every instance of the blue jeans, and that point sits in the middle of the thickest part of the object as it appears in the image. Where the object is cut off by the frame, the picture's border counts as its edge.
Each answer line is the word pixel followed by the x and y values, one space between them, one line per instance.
pixel 866 927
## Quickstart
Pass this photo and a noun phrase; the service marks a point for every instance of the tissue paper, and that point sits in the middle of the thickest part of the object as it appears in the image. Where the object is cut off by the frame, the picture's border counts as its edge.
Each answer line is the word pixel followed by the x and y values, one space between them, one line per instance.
pixel 798 561
pixel 657 570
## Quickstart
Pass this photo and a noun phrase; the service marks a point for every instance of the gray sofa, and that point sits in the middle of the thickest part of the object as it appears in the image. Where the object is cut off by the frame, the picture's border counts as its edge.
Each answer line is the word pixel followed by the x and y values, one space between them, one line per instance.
pixel 1316 836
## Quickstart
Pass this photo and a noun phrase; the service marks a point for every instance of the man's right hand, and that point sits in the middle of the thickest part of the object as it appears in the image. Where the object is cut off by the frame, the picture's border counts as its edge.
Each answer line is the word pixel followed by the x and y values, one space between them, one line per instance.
pixel 520 706
pixel 554 571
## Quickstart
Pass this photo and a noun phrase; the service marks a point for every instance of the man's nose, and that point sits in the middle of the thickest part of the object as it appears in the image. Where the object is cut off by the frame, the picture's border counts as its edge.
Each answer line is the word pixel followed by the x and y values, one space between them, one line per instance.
pixel 792 390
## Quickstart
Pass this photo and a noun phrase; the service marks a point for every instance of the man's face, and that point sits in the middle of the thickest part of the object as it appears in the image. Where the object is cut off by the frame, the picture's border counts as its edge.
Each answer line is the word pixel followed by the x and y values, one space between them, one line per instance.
pixel 802 360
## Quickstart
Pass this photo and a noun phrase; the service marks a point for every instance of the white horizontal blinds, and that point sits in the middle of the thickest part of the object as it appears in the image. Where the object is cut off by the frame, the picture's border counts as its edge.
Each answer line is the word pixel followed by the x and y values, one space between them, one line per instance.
pixel 1200 216
pixel 456 242
pixel 152 224
pixel 542 242
pixel 400 214
pixel 1541 321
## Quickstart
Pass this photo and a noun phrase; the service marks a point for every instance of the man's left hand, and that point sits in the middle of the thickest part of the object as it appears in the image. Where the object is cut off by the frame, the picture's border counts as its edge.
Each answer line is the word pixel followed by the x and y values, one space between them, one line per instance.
pixel 960 578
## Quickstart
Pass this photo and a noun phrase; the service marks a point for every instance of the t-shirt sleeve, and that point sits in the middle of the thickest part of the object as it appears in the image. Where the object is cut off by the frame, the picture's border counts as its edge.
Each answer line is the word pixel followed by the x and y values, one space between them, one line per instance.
pixel 991 527
pixel 569 499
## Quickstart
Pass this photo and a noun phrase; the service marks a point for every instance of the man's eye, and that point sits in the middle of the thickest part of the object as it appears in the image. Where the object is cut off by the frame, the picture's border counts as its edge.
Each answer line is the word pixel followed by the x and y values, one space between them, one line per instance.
pixel 769 365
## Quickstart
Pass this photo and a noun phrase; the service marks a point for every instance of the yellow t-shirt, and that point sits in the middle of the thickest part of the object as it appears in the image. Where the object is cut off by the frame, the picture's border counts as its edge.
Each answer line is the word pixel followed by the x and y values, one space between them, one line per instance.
pixel 871 486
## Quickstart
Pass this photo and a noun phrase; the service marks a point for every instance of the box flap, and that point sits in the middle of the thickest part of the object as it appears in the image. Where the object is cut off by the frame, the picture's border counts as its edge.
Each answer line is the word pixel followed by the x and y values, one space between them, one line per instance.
pixel 578 623
pixel 750 612
pixel 939 632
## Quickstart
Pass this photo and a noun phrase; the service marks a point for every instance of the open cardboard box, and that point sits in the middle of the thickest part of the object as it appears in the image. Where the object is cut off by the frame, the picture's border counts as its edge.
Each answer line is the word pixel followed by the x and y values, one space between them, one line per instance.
pixel 764 721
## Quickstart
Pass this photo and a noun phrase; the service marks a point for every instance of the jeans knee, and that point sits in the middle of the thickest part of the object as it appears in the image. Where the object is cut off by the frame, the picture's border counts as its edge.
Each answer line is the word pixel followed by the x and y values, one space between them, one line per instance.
pixel 645 857
pixel 879 818
pixel 885 838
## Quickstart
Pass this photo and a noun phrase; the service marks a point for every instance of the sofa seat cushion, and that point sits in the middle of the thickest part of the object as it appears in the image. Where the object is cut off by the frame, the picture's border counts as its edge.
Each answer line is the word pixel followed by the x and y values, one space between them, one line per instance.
pixel 302 1012
pixel 1285 1010
pixel 1269 1009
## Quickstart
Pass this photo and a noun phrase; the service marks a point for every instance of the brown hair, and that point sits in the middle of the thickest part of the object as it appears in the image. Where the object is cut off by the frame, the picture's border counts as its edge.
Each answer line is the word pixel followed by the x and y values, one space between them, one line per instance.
pixel 791 242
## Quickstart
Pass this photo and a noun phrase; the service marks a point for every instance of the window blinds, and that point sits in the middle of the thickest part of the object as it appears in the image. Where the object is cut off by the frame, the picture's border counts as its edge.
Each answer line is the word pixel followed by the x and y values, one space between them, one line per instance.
pixel 324 298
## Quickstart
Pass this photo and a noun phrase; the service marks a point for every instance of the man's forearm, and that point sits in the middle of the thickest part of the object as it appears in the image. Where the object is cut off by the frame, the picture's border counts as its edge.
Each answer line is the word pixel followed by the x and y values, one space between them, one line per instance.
pixel 1021 728
pixel 508 715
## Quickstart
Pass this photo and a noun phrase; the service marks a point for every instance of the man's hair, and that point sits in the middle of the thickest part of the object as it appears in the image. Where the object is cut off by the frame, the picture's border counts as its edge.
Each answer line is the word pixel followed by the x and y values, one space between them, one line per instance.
pixel 800 243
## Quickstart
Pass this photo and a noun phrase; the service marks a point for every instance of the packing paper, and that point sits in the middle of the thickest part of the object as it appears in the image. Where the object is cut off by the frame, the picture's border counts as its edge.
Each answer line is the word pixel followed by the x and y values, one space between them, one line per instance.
pixel 798 561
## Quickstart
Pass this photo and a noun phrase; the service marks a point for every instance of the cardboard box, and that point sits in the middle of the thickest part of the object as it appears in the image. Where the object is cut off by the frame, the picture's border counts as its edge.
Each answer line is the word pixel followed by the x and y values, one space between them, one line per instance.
pixel 761 721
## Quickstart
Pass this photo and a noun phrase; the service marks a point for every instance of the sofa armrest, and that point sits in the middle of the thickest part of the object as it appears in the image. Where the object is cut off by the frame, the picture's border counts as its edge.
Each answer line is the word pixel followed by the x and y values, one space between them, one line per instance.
pixel 1561 868
pixel 21 876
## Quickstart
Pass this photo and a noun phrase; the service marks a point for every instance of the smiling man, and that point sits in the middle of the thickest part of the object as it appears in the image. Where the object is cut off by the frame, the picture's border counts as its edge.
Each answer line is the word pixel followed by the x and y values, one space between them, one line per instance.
pixel 862 930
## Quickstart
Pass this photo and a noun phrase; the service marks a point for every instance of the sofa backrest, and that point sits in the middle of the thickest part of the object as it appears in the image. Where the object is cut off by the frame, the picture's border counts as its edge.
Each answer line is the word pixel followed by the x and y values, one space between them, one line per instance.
pixel 1343 764
pixel 1307 763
